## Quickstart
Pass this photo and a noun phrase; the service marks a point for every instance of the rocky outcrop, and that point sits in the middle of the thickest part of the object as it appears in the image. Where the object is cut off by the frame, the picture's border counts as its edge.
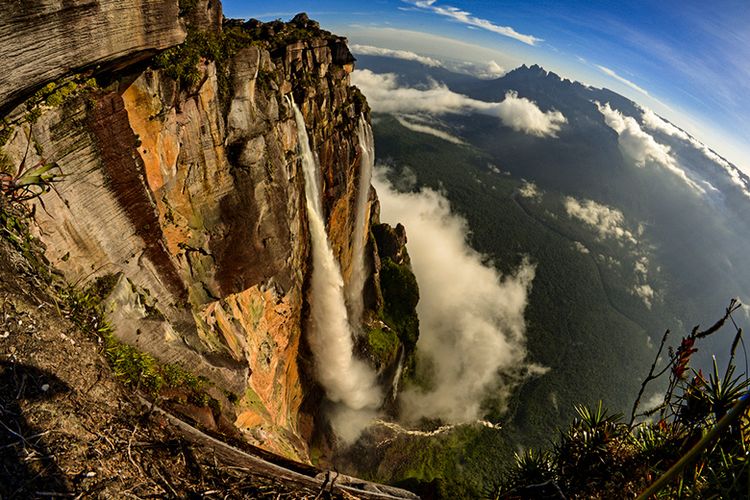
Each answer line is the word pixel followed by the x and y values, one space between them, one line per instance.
pixel 42 40
pixel 191 195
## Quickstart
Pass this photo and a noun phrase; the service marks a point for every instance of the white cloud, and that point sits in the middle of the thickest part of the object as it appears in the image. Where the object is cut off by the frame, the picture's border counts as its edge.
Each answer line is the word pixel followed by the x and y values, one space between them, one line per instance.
pixel 655 122
pixel 642 289
pixel 468 19
pixel 489 71
pixel 612 74
pixel 621 79
pixel 641 147
pixel 581 248
pixel 524 115
pixel 645 292
pixel 608 222
pixel 369 50
pixel 384 94
pixel 485 71
pixel 641 266
pixel 426 129
pixel 444 48
pixel 472 322
pixel 530 190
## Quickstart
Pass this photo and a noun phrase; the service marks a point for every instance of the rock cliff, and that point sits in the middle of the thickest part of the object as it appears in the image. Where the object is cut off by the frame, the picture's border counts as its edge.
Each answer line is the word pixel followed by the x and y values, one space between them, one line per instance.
pixel 180 183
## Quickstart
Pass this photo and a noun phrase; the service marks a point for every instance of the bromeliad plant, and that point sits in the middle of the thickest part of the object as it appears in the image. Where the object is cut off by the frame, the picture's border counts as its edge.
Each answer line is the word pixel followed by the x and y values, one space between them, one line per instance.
pixel 698 446
pixel 30 183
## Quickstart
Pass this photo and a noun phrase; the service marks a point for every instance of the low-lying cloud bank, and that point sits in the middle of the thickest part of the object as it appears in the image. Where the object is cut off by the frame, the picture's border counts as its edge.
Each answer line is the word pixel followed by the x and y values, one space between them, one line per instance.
pixel 386 95
pixel 655 122
pixel 472 327
pixel 641 147
pixel 369 50
pixel 483 71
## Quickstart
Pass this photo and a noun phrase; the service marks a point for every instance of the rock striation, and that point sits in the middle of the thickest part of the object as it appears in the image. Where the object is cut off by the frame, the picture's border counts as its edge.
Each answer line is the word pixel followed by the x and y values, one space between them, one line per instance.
pixel 42 40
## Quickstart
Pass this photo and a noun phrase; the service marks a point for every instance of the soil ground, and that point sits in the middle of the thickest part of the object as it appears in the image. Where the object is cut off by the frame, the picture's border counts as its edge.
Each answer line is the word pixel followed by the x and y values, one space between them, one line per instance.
pixel 69 428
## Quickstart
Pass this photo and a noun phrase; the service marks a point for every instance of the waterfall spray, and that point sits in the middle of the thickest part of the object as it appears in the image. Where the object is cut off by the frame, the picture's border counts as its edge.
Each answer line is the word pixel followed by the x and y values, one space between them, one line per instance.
pixel 346 379
pixel 359 270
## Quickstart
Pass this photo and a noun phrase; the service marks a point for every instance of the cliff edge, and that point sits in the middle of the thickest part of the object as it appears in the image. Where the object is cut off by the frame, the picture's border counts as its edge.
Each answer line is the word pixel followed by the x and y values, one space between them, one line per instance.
pixel 177 197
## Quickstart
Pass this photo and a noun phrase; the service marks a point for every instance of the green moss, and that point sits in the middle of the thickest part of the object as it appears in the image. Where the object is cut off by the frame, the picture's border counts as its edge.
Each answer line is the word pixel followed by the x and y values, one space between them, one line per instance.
pixel 181 63
pixel 187 7
pixel 252 400
pixel 14 228
pixel 61 94
pixel 135 368
pixel 84 307
pixel 142 371
pixel 33 115
pixel 232 397
pixel 58 93
pixel 400 296
pixel 383 343
pixel 6 131
pixel 6 165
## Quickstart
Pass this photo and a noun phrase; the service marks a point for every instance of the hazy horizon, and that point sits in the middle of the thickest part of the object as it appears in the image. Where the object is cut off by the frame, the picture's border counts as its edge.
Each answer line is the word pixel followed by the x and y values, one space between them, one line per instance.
pixel 685 61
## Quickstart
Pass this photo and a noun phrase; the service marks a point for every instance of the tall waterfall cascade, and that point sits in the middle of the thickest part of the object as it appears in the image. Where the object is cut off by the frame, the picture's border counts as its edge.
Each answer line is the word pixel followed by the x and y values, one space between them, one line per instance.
pixel 359 267
pixel 346 379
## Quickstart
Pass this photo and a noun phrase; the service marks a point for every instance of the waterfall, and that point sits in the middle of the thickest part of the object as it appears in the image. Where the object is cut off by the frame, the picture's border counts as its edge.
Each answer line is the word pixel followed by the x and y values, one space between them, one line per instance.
pixel 359 271
pixel 346 379
pixel 397 374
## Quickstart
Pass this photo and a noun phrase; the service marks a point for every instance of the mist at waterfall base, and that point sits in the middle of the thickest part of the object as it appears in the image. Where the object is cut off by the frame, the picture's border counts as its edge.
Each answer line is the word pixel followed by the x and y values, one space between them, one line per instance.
pixel 472 333
pixel 348 382
pixel 472 327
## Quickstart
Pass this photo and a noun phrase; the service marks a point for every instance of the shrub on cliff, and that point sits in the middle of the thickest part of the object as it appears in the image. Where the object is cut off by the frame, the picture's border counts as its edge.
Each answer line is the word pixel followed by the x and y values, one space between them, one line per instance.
pixel 401 295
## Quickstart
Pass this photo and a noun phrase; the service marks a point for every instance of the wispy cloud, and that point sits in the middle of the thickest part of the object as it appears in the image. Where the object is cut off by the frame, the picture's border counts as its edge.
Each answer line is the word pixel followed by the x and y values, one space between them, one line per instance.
pixel 427 129
pixel 468 19
pixel 621 79
pixel 386 95
pixel 641 147
pixel 612 74
pixel 406 55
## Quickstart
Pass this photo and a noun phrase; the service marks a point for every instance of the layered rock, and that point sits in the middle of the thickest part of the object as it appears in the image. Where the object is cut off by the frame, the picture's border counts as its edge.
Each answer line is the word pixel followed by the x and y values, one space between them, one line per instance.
pixel 42 40
pixel 192 195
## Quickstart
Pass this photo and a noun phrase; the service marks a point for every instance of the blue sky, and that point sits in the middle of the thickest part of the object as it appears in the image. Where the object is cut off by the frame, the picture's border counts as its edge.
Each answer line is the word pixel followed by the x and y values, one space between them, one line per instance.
pixel 688 60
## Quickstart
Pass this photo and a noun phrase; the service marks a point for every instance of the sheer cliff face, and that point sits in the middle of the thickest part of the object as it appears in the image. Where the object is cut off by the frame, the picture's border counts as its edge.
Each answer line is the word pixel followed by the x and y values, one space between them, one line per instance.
pixel 193 196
